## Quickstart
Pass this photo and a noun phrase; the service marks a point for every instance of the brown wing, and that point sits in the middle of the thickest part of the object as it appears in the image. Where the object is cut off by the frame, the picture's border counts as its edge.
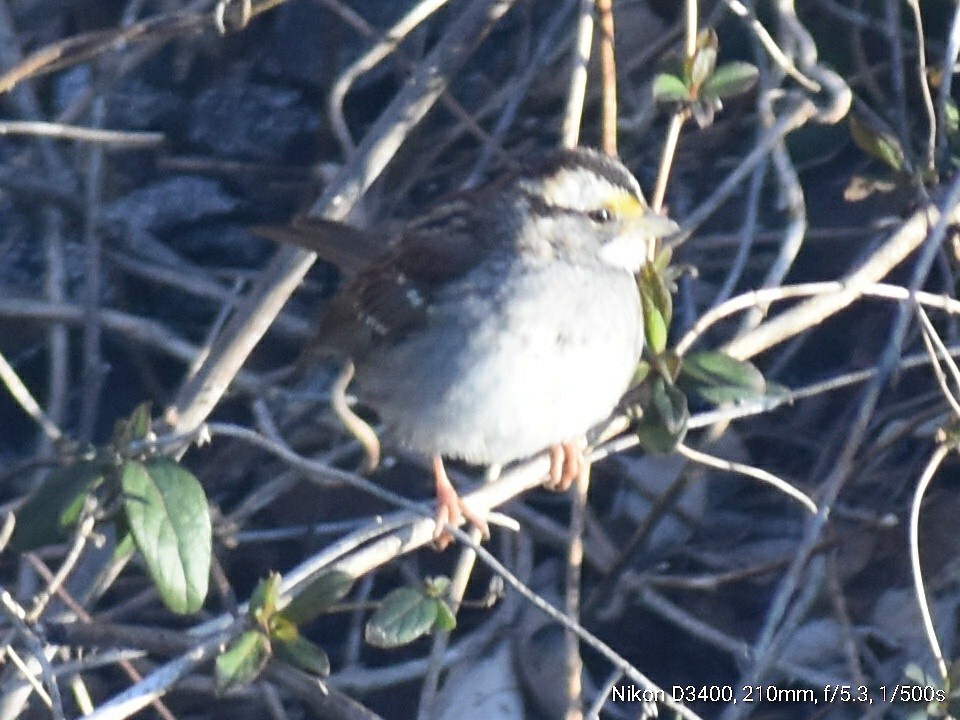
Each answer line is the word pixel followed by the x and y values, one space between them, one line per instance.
pixel 390 299
pixel 350 249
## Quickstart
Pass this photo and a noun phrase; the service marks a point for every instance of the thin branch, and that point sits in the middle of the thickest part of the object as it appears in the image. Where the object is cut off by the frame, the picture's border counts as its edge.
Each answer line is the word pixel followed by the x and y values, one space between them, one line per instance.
pixel 386 45
pixel 818 290
pixel 577 92
pixel 80 539
pixel 21 393
pixel 608 68
pixel 749 471
pixel 923 483
pixel 17 617
pixel 770 45
pixel 93 366
pixel 116 139
pixel 573 660
pixel 666 160
pixel 794 115
pixel 441 640
pixel 937 350
pixel 901 244
pixel 924 82
pixel 593 641
pixel 944 98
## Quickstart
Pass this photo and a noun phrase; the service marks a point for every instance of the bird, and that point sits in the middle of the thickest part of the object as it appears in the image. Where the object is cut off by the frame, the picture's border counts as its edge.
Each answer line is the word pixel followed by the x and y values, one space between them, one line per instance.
pixel 501 322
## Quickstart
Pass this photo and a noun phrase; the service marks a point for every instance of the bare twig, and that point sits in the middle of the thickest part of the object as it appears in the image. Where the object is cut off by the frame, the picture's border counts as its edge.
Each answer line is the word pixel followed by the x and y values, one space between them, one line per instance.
pixel 791 196
pixel 116 139
pixel 577 93
pixel 80 539
pixel 93 366
pixel 572 595
pixel 455 595
pixel 923 81
pixel 755 473
pixel 669 150
pixel 17 617
pixel 770 45
pixel 939 453
pixel 943 99
pixel 794 115
pixel 383 48
pixel 818 290
pixel 21 393
pixel 608 68
pixel 894 251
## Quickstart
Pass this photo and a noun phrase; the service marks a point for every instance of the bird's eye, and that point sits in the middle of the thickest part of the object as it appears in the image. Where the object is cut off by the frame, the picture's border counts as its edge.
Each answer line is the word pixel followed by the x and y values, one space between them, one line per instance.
pixel 603 215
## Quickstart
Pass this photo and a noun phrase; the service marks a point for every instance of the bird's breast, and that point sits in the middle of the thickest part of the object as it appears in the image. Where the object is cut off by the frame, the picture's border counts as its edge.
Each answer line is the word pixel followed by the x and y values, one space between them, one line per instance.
pixel 509 365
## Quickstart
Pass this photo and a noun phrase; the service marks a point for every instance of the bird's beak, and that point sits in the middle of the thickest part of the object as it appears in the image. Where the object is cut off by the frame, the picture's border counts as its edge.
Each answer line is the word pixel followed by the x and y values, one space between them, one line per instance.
pixel 642 219
pixel 656 225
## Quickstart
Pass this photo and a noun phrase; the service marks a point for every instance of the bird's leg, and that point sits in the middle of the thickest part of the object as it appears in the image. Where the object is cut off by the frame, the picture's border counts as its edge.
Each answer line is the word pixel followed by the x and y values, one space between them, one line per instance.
pixel 450 507
pixel 566 463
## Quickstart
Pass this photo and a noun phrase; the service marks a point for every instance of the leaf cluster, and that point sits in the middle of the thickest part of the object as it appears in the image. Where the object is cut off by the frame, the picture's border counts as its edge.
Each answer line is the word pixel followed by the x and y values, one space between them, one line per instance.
pixel 156 505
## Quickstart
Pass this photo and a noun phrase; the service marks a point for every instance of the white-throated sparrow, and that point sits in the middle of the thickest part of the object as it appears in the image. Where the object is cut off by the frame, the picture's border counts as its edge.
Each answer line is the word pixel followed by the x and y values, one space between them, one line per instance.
pixel 503 322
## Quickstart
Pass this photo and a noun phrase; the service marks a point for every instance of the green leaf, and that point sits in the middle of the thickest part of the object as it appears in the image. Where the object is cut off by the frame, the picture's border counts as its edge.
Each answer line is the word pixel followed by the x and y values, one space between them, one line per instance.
pixel 641 373
pixel 704 109
pixel 708 38
pixel 655 327
pixel 242 662
pixel 282 629
pixel 303 654
pixel 326 589
pixel 437 586
pixel 134 428
pixel 55 506
pixel 718 368
pixel 167 512
pixel 704 59
pixel 126 546
pixel 729 395
pixel 264 598
pixel 877 143
pixel 718 378
pixel 663 424
pixel 446 620
pixel 659 291
pixel 952 116
pixel 731 79
pixel 657 308
pixel 404 615
pixel 661 263
pixel 700 69
pixel 669 88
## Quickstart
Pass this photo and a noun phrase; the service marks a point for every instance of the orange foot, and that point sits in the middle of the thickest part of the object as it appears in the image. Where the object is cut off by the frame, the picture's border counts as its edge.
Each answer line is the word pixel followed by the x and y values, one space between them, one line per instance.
pixel 450 508
pixel 566 464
